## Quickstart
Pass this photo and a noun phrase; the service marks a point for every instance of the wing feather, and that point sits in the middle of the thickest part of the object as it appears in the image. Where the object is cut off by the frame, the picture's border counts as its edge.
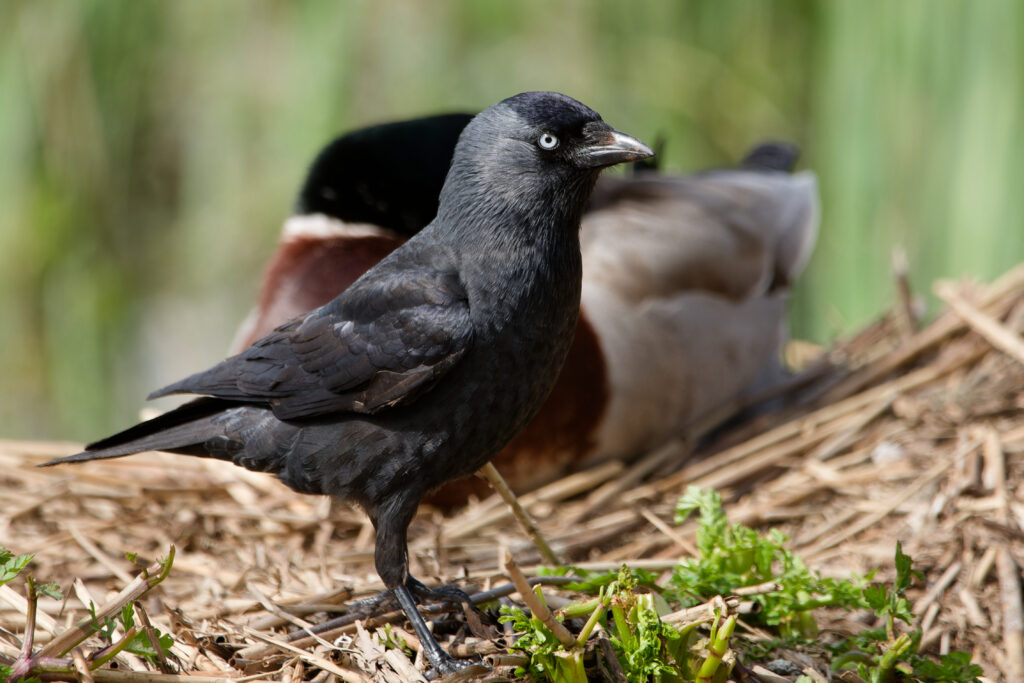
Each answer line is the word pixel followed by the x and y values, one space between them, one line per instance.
pixel 382 343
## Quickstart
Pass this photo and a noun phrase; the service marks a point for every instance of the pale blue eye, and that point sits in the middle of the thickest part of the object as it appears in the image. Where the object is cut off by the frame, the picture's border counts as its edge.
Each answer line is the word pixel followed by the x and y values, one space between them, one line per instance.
pixel 547 141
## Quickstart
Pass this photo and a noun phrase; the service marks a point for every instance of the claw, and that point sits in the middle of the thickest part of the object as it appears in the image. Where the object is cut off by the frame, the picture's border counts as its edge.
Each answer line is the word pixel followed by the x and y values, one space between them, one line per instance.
pixel 446 667
pixel 374 604
pixel 443 594
pixel 440 661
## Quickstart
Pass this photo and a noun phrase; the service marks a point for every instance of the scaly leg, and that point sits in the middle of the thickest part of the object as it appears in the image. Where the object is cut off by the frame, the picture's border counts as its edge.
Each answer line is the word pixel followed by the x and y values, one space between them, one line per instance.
pixel 438 658
pixel 391 558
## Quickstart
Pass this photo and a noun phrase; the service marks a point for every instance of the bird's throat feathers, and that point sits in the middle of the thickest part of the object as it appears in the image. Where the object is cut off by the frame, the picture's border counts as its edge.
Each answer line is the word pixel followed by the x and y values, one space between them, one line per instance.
pixel 537 246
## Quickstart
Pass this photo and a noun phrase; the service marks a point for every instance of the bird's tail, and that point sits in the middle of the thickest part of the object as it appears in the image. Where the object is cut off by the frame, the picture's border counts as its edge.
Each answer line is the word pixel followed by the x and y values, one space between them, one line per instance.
pixel 772 156
pixel 188 429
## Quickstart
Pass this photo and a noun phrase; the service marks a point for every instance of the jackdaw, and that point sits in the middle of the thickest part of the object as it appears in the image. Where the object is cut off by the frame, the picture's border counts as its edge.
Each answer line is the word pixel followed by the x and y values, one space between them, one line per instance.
pixel 431 361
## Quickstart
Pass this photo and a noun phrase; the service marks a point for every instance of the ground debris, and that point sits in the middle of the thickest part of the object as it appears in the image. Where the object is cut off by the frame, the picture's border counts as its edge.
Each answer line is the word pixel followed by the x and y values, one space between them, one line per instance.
pixel 916 436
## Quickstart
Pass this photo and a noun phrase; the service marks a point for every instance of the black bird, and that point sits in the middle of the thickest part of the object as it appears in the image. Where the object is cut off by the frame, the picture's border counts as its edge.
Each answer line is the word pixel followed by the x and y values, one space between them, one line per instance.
pixel 435 358
pixel 685 284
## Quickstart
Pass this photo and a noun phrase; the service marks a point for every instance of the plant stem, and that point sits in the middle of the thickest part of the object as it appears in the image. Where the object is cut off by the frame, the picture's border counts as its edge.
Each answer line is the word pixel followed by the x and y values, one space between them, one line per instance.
pixel 536 603
pixel 108 654
pixel 575 610
pixel 23 664
pixel 622 626
pixel 492 475
pixel 141 585
pixel 595 616
pixel 883 672
pixel 718 645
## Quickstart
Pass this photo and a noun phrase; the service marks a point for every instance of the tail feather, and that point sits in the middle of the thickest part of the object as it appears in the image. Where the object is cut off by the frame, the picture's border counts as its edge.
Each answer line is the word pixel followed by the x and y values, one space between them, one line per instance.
pixel 201 382
pixel 180 430
pixel 772 156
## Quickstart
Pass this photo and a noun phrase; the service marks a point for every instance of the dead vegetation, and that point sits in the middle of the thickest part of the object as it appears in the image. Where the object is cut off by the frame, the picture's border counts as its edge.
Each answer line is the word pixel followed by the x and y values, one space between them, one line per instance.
pixel 898 434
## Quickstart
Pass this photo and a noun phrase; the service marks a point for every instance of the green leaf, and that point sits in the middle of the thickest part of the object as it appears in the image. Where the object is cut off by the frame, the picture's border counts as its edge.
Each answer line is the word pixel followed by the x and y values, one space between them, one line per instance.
pixel 140 645
pixel 904 573
pixel 882 654
pixel 534 639
pixel 592 582
pixel 877 597
pixel 51 590
pixel 11 566
pixel 6 671
pixel 127 617
pixel 732 556
pixel 955 667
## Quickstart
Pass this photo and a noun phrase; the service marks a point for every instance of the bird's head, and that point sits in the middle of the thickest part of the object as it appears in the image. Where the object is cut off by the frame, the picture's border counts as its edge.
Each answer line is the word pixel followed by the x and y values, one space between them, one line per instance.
pixel 537 146
pixel 389 175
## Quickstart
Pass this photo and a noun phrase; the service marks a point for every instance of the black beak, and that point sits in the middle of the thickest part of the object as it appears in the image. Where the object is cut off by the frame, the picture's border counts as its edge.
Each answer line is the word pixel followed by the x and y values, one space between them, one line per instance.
pixel 608 147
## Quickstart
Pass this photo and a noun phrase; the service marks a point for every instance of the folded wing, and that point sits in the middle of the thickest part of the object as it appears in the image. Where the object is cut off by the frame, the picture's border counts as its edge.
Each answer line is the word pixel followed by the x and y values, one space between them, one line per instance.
pixel 384 342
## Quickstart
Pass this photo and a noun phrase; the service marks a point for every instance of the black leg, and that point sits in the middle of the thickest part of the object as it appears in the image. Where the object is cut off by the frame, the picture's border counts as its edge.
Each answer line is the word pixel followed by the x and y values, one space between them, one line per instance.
pixel 437 657
pixel 391 521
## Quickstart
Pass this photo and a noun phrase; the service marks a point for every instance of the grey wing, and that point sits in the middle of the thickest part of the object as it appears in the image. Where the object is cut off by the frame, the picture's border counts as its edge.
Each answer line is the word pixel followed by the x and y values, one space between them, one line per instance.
pixel 381 343
pixel 729 233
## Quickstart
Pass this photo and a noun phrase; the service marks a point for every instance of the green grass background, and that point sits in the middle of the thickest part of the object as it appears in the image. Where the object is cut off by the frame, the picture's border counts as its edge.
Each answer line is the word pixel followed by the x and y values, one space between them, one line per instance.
pixel 149 150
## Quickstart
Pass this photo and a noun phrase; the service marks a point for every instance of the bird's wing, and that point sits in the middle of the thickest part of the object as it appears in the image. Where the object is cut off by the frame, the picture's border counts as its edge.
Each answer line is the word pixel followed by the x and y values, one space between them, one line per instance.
pixel 382 343
pixel 730 233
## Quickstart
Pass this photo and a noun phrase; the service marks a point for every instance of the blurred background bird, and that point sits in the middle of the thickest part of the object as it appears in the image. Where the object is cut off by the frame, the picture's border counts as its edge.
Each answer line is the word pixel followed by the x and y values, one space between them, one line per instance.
pixel 686 279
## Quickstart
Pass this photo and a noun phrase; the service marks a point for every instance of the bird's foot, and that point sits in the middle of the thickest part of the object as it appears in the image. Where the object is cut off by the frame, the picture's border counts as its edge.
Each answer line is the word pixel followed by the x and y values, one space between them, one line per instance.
pixel 443 594
pixel 373 605
pixel 444 666
pixel 385 600
pixel 441 663
pixel 453 597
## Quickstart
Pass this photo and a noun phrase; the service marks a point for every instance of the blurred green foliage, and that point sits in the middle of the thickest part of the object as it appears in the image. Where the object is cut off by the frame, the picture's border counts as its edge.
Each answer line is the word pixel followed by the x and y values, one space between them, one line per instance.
pixel 150 150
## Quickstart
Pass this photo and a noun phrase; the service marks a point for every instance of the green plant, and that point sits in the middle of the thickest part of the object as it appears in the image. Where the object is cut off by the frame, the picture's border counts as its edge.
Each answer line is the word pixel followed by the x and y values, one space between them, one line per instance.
pixel 882 655
pixel 630 613
pixel 11 565
pixel 140 643
pixel 629 606
pixel 734 556
pixel 51 660
pixel 647 648
pixel 548 660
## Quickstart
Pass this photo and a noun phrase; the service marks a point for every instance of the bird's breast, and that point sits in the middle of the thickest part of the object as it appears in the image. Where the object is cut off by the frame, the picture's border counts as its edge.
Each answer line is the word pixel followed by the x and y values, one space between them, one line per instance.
pixel 562 433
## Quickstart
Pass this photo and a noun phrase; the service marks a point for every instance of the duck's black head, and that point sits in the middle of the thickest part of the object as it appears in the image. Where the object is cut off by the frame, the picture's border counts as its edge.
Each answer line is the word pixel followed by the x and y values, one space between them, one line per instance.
pixel 388 175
